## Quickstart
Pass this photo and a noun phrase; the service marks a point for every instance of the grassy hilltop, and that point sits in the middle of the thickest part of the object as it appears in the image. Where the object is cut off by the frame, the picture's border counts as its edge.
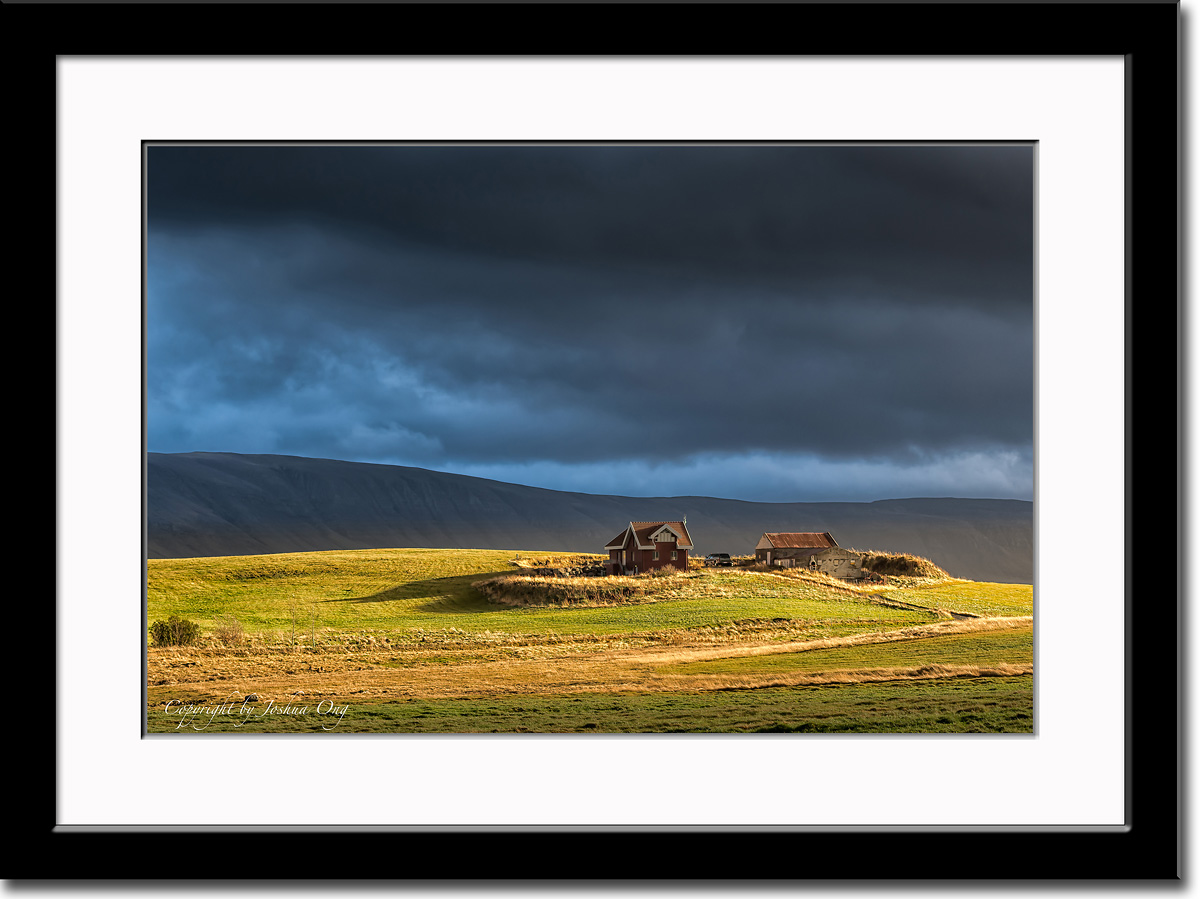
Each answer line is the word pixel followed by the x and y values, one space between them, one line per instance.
pixel 451 640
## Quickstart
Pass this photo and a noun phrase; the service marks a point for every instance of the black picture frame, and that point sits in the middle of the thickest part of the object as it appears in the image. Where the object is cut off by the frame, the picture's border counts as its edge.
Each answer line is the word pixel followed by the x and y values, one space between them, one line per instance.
pixel 1146 34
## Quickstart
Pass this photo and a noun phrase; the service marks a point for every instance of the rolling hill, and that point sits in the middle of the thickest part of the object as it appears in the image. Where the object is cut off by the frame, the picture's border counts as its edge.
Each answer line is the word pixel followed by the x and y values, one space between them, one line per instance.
pixel 222 504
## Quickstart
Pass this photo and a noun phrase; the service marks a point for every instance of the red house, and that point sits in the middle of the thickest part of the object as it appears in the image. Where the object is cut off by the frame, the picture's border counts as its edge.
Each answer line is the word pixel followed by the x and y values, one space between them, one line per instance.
pixel 646 545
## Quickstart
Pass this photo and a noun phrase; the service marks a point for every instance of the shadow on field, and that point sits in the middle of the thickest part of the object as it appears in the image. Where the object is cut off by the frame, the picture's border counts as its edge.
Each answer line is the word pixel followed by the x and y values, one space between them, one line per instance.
pixel 471 602
pixel 452 595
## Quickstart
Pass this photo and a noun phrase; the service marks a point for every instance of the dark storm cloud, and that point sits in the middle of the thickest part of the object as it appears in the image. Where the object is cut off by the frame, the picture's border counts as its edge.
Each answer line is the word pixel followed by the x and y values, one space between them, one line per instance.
pixel 920 221
pixel 498 309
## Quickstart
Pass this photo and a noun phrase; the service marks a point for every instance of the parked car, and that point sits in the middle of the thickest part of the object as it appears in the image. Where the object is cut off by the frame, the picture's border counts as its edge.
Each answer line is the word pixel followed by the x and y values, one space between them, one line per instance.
pixel 713 560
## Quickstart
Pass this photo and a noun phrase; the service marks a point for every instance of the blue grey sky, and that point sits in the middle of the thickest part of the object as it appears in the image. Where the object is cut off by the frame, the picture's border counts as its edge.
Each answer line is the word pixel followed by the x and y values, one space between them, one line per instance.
pixel 768 323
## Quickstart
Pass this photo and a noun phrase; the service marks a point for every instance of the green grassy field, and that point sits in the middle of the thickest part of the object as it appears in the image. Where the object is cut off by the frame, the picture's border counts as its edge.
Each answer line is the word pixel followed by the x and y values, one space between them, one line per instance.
pixel 431 589
pixel 405 643
pixel 989 648
pixel 968 596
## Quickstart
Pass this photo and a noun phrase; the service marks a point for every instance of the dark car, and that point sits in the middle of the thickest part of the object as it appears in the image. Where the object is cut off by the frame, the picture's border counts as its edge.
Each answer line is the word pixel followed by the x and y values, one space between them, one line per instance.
pixel 712 560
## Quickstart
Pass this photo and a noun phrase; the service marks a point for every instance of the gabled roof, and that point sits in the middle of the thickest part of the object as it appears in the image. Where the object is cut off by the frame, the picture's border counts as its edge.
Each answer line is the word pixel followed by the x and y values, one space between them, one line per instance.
pixel 644 530
pixel 618 541
pixel 800 541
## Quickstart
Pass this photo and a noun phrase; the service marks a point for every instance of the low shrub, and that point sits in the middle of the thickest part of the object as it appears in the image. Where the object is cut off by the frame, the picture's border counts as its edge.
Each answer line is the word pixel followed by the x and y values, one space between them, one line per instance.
pixel 230 631
pixel 660 572
pixel 175 631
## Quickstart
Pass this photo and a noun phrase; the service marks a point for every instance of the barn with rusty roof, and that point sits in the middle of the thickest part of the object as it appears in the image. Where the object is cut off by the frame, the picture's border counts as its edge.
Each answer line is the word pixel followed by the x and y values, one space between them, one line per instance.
pixel 647 545
pixel 818 551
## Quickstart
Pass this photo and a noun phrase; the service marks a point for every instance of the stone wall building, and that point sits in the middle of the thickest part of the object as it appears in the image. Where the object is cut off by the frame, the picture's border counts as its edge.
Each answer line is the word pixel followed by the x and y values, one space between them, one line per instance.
pixel 816 551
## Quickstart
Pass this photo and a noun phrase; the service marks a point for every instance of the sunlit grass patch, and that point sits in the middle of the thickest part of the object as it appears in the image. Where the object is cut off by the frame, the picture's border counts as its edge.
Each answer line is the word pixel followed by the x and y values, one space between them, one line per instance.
pixel 344 590
pixel 982 649
pixel 975 597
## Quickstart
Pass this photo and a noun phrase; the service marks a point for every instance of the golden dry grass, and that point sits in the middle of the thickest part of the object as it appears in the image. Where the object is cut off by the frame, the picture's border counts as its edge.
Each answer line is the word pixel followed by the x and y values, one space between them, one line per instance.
pixel 446 668
pixel 902 565
pixel 556 560
pixel 577 592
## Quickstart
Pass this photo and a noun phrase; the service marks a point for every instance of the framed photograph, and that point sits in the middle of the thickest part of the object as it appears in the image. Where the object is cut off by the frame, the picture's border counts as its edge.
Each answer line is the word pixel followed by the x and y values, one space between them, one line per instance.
pixel 179 164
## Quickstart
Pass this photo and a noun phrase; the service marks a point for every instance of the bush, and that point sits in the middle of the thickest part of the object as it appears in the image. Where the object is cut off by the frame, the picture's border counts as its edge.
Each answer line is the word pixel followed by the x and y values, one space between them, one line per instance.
pixel 175 631
pixel 665 571
pixel 230 631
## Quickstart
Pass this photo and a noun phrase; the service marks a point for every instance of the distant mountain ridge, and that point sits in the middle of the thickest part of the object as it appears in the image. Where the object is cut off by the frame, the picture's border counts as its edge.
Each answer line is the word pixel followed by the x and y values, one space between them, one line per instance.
pixel 221 504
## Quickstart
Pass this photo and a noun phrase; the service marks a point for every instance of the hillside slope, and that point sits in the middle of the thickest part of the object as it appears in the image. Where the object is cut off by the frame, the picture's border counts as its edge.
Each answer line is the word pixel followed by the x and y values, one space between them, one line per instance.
pixel 218 504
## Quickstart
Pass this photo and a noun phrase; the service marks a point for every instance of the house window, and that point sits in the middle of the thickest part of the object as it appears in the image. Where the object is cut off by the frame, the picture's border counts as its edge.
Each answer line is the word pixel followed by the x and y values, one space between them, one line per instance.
pixel 674 555
pixel 656 555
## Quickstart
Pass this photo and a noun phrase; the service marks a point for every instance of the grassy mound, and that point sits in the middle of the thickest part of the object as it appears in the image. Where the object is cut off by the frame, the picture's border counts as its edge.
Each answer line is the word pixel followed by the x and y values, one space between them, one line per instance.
pixel 901 565
pixel 532 590
pixel 557 560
